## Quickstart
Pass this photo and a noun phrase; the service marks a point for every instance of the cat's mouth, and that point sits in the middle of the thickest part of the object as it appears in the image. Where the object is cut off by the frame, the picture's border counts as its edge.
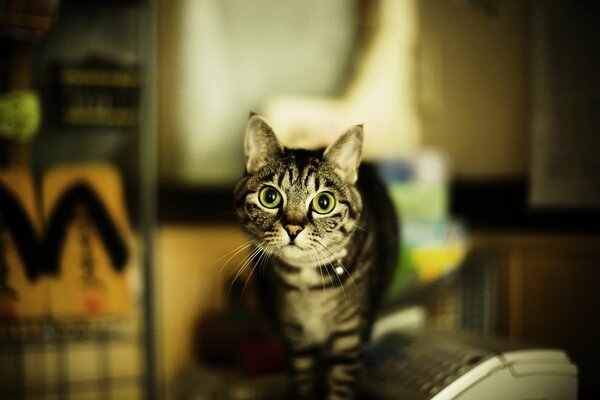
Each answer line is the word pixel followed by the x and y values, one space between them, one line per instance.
pixel 293 252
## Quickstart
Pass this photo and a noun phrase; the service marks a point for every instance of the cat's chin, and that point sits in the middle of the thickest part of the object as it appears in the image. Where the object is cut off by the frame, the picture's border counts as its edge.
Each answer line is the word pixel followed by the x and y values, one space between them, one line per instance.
pixel 300 257
pixel 294 255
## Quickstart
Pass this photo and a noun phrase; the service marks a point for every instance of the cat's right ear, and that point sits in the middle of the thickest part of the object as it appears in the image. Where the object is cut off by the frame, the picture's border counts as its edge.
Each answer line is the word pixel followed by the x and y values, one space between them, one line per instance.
pixel 260 144
pixel 345 153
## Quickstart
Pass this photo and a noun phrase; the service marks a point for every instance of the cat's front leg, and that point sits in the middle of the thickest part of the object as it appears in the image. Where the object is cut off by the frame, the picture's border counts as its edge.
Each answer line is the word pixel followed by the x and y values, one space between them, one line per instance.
pixel 345 361
pixel 303 370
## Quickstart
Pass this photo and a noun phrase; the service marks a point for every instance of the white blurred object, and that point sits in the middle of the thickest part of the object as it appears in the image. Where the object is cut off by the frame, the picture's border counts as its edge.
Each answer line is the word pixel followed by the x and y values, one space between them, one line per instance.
pixel 222 58
pixel 381 96
pixel 431 167
pixel 412 318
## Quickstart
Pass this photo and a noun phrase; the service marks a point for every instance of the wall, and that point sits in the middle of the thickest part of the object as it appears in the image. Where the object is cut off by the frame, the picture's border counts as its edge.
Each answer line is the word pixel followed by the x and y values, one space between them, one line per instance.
pixel 474 85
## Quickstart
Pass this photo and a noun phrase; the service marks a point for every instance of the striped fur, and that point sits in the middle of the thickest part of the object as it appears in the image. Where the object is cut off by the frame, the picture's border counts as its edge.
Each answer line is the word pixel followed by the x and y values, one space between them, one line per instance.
pixel 322 287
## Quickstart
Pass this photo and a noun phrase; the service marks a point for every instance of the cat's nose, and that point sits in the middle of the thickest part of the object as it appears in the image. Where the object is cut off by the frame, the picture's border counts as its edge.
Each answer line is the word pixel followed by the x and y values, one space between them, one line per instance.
pixel 293 230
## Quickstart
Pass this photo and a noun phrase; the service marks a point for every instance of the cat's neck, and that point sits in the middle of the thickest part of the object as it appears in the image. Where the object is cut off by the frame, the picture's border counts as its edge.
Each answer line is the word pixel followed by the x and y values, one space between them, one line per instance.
pixel 331 258
pixel 308 271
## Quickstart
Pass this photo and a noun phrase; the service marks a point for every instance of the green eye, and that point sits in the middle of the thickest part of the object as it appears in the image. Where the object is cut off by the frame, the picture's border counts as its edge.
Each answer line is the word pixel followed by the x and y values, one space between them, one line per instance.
pixel 269 197
pixel 323 203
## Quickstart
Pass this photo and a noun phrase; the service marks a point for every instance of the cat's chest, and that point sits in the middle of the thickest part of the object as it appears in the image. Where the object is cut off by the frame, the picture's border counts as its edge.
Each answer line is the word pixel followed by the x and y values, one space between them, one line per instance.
pixel 313 304
pixel 312 310
pixel 307 277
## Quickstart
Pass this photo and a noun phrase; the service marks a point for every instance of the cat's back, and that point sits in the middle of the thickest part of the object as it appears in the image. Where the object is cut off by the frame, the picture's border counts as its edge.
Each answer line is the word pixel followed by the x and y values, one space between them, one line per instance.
pixel 381 221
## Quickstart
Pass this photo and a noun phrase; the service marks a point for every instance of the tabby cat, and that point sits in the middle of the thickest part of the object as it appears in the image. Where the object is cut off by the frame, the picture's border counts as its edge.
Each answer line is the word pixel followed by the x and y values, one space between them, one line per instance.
pixel 326 238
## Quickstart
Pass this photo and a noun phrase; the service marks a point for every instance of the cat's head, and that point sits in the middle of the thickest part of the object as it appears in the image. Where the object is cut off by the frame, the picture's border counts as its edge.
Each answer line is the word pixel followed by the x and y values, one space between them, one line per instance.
pixel 299 205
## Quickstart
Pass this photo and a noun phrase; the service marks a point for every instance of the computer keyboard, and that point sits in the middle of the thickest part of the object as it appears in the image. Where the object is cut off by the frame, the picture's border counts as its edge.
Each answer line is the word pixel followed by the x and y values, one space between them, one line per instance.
pixel 423 366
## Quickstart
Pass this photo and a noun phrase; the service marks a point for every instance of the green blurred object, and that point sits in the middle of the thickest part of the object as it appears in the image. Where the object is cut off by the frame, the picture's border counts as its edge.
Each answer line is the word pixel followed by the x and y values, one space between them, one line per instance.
pixel 20 115
pixel 420 200
pixel 405 277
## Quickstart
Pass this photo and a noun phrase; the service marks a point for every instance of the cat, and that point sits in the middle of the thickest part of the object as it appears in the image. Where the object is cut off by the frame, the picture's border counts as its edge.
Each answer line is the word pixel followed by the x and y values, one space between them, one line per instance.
pixel 326 238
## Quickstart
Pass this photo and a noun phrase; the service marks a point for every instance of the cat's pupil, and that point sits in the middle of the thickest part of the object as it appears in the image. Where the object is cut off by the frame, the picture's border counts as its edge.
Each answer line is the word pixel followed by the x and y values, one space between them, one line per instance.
pixel 323 202
pixel 271 196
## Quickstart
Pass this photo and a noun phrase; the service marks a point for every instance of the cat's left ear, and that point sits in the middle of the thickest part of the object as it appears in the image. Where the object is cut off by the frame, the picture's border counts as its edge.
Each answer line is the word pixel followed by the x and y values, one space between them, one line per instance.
pixel 345 153
pixel 261 144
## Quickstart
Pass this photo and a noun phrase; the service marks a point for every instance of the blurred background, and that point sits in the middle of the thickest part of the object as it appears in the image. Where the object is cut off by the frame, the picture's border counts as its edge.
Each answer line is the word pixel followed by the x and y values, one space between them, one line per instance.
pixel 121 130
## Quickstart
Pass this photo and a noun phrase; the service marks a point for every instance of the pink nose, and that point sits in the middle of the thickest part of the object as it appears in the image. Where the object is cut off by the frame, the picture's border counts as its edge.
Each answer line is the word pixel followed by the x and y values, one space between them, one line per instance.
pixel 293 230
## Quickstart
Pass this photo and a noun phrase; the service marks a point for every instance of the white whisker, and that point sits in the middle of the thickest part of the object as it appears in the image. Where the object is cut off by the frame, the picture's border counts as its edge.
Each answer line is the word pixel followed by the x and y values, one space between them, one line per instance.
pixel 265 261
pixel 339 262
pixel 245 260
pixel 361 228
pixel 270 253
pixel 326 269
pixel 235 252
pixel 315 264
pixel 256 264
pixel 322 277
pixel 338 278
pixel 251 257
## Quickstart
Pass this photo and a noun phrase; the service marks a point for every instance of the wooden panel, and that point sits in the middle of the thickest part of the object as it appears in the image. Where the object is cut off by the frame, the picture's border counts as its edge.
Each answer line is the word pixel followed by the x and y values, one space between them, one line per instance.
pixel 190 283
pixel 560 307
pixel 562 296
pixel 549 294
